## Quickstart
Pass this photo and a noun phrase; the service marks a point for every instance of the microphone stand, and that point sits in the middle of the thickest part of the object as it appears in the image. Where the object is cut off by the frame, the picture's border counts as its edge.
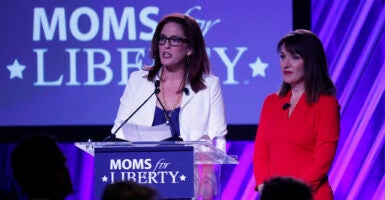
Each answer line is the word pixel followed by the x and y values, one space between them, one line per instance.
pixel 112 137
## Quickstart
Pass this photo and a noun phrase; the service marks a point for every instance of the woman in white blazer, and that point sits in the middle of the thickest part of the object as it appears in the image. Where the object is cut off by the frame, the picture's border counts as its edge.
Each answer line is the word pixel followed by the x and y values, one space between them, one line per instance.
pixel 190 98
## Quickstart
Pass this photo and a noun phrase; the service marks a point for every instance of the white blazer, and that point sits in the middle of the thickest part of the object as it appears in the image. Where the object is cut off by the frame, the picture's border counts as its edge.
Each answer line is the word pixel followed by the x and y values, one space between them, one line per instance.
pixel 201 113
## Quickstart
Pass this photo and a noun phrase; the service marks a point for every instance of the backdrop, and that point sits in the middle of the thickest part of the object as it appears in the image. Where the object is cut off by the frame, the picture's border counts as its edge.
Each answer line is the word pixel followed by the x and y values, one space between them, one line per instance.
pixel 66 62
pixel 354 39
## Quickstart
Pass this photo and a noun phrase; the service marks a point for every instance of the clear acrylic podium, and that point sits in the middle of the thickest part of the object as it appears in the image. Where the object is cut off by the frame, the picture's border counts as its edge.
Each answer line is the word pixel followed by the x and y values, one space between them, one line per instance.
pixel 127 154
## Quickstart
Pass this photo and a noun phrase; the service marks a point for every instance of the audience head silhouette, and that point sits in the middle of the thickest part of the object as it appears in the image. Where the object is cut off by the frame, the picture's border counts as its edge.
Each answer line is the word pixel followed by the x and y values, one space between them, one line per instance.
pixel 127 190
pixel 286 188
pixel 39 166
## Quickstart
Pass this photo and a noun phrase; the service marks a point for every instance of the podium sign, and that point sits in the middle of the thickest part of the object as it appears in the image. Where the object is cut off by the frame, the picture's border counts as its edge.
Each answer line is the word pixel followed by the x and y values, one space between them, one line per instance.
pixel 159 167
pixel 166 166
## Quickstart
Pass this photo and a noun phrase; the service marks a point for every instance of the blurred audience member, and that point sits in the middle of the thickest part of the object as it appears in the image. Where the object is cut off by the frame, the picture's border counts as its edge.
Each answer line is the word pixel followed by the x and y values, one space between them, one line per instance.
pixel 286 188
pixel 39 167
pixel 127 190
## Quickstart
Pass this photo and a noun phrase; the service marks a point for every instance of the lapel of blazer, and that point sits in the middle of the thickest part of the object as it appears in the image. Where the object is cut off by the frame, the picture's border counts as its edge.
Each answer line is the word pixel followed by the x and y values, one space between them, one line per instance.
pixel 187 98
pixel 149 108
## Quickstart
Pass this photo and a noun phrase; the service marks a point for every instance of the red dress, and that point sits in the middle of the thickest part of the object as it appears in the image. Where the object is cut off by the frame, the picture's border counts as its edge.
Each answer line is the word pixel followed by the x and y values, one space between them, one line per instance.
pixel 302 145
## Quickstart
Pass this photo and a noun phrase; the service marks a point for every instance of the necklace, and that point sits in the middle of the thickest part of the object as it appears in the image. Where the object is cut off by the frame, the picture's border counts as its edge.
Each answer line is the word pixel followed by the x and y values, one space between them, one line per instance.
pixel 169 109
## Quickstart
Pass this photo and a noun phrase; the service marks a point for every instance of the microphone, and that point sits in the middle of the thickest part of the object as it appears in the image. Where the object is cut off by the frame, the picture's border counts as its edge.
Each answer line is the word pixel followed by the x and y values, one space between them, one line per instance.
pixel 173 137
pixel 112 137
pixel 186 91
pixel 286 106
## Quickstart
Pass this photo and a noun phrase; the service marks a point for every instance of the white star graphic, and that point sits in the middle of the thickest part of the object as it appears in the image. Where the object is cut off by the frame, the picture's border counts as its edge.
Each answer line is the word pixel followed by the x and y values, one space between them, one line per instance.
pixel 258 67
pixel 104 179
pixel 183 178
pixel 16 70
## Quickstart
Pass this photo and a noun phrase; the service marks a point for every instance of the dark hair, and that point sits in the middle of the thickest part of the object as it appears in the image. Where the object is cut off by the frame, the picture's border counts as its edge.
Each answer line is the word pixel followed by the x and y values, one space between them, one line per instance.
pixel 310 48
pixel 39 166
pixel 128 190
pixel 197 64
pixel 287 188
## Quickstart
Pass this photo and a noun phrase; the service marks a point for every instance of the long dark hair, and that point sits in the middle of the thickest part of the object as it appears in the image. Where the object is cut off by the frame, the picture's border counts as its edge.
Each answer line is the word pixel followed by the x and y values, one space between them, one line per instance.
pixel 197 64
pixel 316 78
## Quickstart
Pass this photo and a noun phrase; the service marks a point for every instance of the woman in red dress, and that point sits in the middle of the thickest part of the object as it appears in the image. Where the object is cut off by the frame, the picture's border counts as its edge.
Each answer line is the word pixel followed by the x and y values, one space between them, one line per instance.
pixel 299 126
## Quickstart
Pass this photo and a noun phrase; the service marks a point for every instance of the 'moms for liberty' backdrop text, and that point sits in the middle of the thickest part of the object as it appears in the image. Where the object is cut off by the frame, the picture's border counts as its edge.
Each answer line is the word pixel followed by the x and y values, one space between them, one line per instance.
pixel 66 62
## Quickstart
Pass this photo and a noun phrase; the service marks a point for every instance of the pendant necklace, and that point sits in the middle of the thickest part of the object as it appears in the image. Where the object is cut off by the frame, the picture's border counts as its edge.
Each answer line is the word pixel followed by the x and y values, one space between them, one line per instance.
pixel 169 109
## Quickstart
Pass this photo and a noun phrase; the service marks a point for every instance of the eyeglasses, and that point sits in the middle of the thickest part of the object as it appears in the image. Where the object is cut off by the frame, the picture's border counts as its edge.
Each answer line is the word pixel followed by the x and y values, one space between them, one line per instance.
pixel 172 41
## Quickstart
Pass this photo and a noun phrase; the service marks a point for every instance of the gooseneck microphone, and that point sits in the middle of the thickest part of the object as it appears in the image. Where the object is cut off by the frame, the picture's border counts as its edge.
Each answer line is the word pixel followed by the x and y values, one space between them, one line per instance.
pixel 112 137
pixel 286 106
pixel 174 137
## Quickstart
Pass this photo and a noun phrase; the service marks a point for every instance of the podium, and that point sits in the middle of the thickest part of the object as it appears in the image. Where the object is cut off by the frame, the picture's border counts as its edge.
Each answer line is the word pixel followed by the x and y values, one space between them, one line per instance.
pixel 167 166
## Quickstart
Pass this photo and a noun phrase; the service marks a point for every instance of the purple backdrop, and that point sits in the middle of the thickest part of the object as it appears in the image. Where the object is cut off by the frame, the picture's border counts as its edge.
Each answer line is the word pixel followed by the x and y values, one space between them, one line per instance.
pixel 66 62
